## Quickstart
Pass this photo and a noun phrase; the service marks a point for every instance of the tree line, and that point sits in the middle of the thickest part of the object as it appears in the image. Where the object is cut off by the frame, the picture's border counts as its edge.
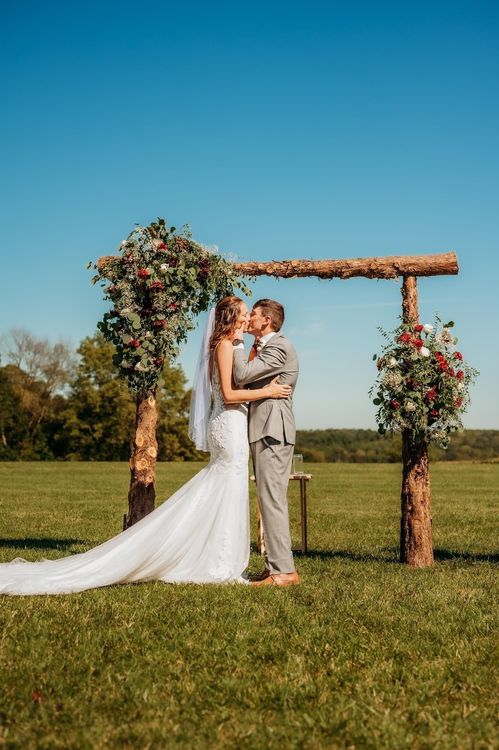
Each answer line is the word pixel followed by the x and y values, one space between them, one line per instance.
pixel 57 404
pixel 368 446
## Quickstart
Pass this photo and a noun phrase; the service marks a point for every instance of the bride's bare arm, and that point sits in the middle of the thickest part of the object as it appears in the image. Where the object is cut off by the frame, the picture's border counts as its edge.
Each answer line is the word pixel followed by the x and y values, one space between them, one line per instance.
pixel 224 355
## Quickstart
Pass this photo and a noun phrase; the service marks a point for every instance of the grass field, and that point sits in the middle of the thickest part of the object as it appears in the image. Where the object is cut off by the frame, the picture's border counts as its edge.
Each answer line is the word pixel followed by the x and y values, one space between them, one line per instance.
pixel 364 654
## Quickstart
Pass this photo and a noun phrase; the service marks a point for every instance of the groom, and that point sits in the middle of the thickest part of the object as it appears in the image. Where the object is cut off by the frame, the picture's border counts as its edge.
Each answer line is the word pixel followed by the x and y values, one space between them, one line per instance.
pixel 271 433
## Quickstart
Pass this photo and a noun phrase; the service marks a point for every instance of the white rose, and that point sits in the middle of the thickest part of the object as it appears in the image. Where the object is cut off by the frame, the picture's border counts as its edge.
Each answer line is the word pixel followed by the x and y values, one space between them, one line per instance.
pixel 163 267
pixel 410 406
pixel 424 351
pixel 427 328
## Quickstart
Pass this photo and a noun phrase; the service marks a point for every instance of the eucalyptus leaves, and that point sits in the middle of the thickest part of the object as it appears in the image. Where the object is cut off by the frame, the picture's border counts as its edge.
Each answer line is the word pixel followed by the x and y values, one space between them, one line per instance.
pixel 423 383
pixel 157 284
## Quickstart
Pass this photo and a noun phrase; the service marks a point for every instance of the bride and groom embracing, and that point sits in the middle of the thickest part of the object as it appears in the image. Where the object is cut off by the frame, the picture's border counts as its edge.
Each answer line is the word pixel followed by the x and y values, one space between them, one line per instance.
pixel 202 533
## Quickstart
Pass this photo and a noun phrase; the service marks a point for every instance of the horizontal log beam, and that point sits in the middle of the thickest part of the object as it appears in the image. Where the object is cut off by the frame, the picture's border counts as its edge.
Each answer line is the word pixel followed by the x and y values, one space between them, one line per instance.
pixel 385 267
pixel 388 267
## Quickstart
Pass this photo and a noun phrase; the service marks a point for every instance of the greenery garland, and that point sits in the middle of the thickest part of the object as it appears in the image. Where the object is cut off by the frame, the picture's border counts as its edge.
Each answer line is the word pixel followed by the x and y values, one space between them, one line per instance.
pixel 423 383
pixel 160 281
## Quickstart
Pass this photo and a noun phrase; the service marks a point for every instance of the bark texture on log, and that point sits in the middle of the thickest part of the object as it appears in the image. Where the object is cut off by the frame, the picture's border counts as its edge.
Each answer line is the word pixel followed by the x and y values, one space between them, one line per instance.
pixel 142 492
pixel 416 547
pixel 389 267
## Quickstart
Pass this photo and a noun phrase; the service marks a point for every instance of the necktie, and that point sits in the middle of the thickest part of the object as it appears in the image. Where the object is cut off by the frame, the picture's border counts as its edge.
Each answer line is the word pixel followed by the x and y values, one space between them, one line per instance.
pixel 253 351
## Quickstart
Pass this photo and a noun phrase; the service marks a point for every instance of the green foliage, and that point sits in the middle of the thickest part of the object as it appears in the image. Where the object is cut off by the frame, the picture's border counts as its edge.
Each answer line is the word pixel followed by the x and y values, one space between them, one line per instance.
pixel 158 283
pixel 364 654
pixel 423 384
pixel 94 419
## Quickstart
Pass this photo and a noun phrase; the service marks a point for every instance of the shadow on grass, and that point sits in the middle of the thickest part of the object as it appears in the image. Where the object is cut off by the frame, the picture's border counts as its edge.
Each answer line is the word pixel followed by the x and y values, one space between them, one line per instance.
pixel 447 554
pixel 30 543
pixel 388 555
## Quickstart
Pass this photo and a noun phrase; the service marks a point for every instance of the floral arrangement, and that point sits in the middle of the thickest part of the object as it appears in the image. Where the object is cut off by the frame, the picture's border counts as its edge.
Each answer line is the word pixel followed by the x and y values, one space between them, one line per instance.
pixel 423 383
pixel 157 284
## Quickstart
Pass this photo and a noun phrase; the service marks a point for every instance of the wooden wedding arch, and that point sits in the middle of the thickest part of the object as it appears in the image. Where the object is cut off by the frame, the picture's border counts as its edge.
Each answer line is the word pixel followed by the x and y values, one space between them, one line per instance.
pixel 416 547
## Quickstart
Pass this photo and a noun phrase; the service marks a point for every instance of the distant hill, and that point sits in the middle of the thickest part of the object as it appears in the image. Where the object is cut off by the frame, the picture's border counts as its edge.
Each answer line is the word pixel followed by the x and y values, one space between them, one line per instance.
pixel 367 446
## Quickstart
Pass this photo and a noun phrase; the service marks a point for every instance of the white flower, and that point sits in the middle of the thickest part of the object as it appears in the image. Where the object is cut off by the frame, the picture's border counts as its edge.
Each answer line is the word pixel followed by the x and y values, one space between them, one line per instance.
pixel 445 337
pixel 424 351
pixel 460 386
pixel 392 379
pixel 427 328
pixel 392 362
pixel 139 366
pixel 125 311
pixel 163 267
pixel 410 405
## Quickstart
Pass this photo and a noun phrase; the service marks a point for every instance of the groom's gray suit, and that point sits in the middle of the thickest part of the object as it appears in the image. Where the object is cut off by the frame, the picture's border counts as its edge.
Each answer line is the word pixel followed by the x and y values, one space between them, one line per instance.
pixel 272 431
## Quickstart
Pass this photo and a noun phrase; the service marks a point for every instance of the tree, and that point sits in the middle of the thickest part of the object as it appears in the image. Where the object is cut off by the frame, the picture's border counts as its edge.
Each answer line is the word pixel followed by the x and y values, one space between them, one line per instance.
pixel 14 418
pixel 99 414
pixel 98 418
pixel 37 372
pixel 173 401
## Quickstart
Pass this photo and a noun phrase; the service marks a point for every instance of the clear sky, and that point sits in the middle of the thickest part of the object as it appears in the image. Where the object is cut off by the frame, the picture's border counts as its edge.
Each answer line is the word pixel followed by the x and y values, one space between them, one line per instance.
pixel 276 130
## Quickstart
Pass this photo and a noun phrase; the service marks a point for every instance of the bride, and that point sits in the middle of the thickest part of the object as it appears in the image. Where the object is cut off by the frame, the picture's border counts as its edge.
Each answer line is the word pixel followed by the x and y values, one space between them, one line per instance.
pixel 201 534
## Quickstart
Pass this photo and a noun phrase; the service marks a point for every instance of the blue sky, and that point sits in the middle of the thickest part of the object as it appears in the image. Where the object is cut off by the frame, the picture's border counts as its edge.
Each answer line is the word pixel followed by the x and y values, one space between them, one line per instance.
pixel 275 130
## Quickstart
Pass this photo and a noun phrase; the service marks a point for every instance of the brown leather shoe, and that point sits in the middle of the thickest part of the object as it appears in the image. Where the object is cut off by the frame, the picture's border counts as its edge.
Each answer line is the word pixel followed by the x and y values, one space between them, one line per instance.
pixel 279 579
pixel 260 576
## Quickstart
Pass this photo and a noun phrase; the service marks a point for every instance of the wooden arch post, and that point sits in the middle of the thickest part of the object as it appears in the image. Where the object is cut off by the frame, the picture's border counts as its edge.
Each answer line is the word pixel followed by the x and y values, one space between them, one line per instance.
pixel 416 547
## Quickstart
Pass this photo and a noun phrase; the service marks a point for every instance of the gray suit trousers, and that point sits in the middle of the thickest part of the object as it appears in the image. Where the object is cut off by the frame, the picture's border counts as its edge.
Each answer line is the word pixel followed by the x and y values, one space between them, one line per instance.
pixel 272 464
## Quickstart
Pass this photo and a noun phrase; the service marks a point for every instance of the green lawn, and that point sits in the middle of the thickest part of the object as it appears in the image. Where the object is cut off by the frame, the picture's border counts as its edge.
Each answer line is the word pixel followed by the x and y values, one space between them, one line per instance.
pixel 364 654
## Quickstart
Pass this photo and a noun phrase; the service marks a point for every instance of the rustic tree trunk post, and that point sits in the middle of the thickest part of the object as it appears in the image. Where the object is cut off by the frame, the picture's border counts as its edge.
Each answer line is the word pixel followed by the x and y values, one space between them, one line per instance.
pixel 416 547
pixel 142 493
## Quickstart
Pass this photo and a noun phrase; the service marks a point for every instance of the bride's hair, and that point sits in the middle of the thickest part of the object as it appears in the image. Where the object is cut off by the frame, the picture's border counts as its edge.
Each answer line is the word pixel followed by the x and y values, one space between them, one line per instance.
pixel 226 315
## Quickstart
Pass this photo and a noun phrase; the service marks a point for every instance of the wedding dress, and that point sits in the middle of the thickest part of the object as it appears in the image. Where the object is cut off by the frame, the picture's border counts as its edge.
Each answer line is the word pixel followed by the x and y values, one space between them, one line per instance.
pixel 199 535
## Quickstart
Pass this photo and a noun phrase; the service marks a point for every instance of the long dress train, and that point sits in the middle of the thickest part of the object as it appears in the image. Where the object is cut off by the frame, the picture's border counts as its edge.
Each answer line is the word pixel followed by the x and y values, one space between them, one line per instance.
pixel 199 535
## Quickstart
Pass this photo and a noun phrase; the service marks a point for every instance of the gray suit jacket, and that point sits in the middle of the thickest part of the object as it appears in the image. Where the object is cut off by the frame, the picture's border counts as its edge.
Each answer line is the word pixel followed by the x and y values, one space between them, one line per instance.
pixel 269 417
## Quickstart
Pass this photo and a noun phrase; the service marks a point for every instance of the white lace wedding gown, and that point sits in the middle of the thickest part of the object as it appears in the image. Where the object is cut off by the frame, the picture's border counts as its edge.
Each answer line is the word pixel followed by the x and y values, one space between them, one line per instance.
pixel 199 535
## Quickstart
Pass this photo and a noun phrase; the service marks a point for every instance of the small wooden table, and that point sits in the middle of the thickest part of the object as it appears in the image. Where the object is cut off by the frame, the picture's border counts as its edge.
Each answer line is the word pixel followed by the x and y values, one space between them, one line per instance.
pixel 303 479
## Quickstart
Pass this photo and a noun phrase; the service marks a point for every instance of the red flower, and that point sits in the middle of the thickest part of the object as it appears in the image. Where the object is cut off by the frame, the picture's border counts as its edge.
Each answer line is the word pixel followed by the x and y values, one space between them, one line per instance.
pixel 418 328
pixel 159 324
pixel 173 306
pixel 438 356
pixel 395 404
pixel 434 412
pixel 143 273
pixel 404 337
pixel 161 246
pixel 458 356
pixel 158 361
pixel 134 343
pixel 458 401
pixel 452 372
pixel 111 289
pixel 460 375
pixel 418 342
pixel 431 394
pixel 156 286
pixel 443 365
